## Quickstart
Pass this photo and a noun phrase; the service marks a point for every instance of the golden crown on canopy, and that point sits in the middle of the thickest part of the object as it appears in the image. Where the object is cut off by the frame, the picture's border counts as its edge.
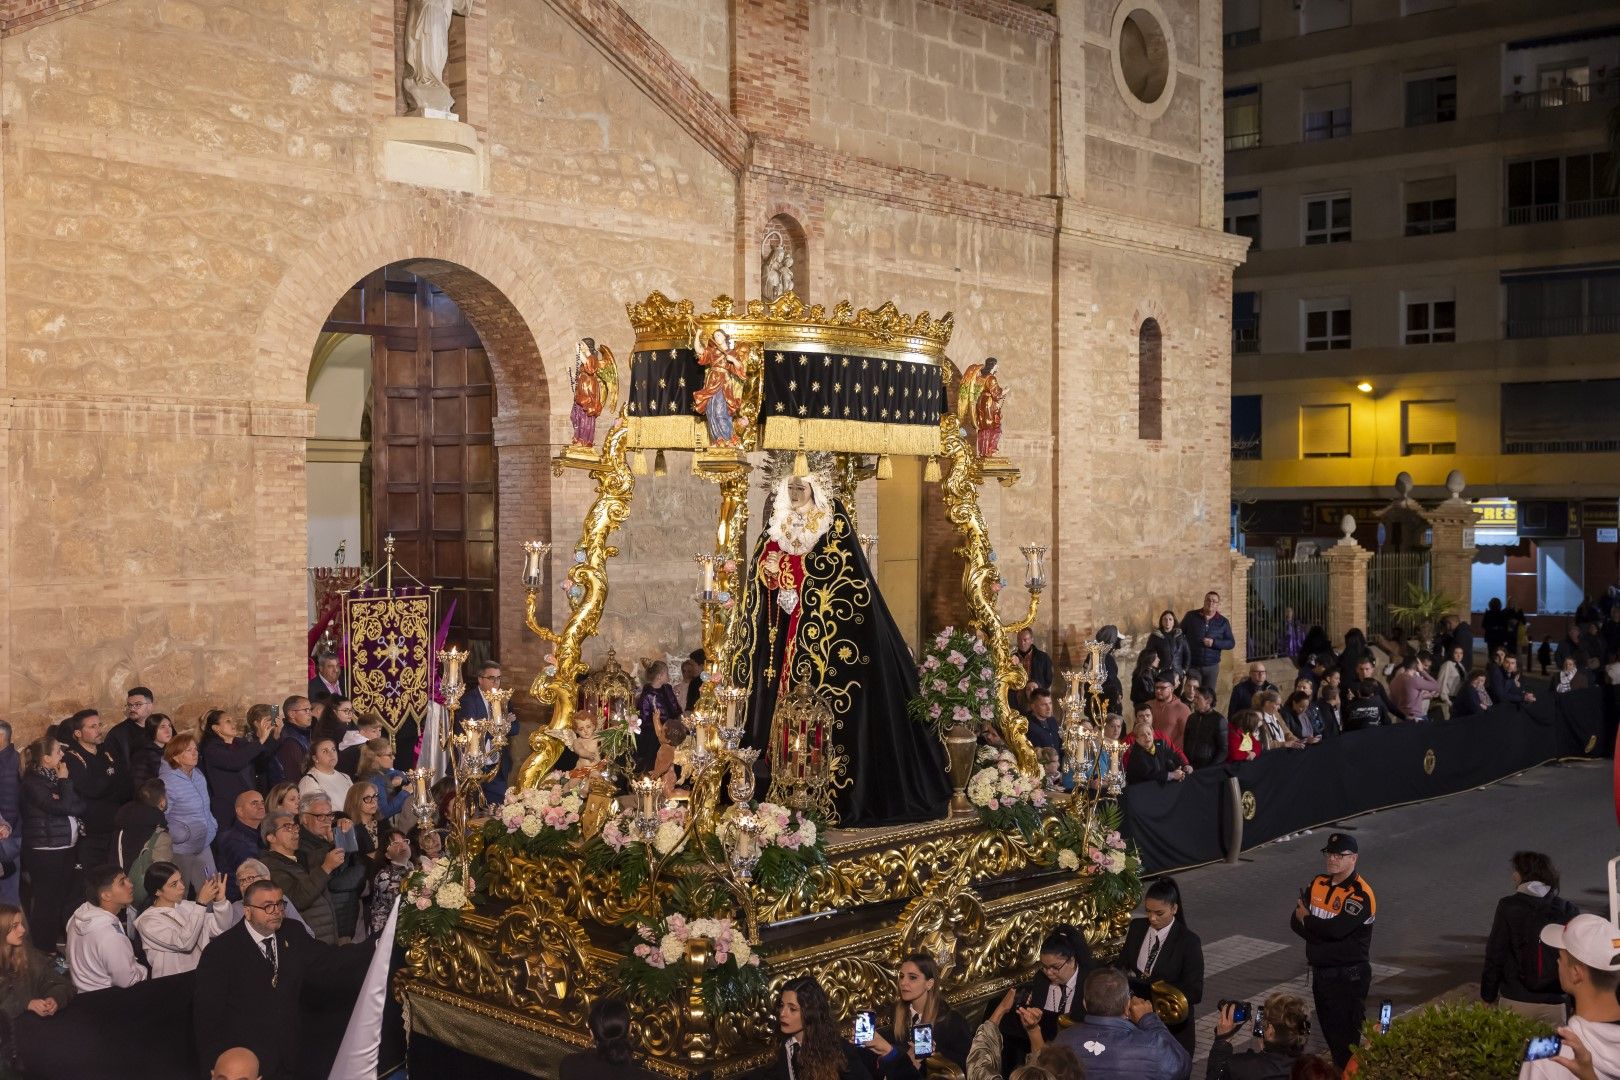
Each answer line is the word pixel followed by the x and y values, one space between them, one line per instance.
pixel 786 321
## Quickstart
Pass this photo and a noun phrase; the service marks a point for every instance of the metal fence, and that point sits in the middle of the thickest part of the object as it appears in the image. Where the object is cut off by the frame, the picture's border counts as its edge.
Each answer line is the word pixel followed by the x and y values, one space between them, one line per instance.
pixel 1388 576
pixel 1286 598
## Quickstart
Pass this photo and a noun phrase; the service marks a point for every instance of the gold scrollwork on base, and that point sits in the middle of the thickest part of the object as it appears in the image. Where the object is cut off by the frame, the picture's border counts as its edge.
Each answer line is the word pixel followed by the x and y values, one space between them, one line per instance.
pixel 1428 762
pixel 1250 805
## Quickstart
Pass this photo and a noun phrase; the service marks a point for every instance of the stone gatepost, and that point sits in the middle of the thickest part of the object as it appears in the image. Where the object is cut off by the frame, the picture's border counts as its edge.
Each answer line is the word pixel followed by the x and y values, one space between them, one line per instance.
pixel 1237 612
pixel 1347 582
pixel 1451 554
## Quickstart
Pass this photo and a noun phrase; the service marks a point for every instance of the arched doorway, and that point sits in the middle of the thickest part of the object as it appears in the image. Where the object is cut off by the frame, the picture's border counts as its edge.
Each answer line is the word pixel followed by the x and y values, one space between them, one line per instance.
pixel 404 444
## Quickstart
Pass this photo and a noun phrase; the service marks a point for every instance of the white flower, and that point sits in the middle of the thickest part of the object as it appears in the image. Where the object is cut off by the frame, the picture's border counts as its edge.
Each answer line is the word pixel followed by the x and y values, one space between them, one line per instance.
pixel 451 896
pixel 1068 860
pixel 672 948
pixel 667 838
pixel 807 831
pixel 531 826
pixel 740 951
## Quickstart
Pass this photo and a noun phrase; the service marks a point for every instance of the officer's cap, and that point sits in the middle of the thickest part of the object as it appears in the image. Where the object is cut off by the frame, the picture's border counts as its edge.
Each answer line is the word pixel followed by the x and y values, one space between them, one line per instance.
pixel 1340 844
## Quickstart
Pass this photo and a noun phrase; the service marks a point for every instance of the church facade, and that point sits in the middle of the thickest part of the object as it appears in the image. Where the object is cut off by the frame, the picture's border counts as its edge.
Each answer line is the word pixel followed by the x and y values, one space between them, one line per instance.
pixel 203 200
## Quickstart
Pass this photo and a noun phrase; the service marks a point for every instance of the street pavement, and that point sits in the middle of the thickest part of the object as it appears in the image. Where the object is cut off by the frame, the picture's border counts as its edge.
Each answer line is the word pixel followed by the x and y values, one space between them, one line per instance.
pixel 1437 870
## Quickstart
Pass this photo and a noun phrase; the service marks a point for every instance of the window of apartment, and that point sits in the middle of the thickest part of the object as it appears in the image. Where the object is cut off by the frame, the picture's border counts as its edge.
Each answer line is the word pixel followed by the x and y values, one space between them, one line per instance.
pixel 1429 427
pixel 1564 188
pixel 1431 206
pixel 1561 301
pixel 1316 15
pixel 1430 317
pixel 1324 431
pixel 1327 218
pixel 1246 427
pixel 1431 99
pixel 1240 23
pixel 1326 323
pixel 1563 417
pixel 1246 322
pixel 1243 215
pixel 1242 117
pixel 1327 112
pixel 1563 82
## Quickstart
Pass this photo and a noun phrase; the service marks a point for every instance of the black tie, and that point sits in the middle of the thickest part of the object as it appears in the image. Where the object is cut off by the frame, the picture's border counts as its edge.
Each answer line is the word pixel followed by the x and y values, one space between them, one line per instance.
pixel 269 947
pixel 1153 955
pixel 1063 1001
pixel 793 1059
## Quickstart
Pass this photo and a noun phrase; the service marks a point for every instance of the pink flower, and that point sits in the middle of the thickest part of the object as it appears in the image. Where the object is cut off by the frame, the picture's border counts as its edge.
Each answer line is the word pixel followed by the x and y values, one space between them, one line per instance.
pixel 956 659
pixel 934 710
pixel 962 684
pixel 939 686
pixel 961 715
pixel 978 648
pixel 423 903
pixel 995 804
pixel 987 713
pixel 931 663
pixel 983 694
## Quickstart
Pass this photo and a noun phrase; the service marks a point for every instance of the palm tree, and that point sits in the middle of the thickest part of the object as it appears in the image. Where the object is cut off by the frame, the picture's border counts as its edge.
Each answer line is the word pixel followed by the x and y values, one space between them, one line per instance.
pixel 1422 610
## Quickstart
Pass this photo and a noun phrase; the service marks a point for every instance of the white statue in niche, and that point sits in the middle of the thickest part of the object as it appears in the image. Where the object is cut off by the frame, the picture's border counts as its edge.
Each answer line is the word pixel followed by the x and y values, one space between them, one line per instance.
pixel 776 268
pixel 427 51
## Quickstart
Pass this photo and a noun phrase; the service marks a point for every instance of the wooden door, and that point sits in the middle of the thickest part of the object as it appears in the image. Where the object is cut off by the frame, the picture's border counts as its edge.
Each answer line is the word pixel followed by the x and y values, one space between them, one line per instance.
pixel 432 448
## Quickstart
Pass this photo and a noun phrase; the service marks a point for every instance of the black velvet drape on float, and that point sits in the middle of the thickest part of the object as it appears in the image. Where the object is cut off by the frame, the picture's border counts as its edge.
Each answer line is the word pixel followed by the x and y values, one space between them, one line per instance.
pixel 847 648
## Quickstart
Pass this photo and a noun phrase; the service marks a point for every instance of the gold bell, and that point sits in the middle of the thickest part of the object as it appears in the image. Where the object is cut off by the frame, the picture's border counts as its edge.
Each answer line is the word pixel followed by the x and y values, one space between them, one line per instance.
pixel 931 471
pixel 660 466
pixel 885 468
pixel 801 464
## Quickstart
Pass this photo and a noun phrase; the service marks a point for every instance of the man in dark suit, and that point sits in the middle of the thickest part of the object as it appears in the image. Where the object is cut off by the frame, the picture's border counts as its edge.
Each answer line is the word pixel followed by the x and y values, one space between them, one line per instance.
pixel 248 985
pixel 328 680
pixel 474 706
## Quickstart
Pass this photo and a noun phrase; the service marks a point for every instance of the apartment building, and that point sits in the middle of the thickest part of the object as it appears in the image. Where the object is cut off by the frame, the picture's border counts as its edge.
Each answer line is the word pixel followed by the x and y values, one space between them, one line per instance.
pixel 1434 281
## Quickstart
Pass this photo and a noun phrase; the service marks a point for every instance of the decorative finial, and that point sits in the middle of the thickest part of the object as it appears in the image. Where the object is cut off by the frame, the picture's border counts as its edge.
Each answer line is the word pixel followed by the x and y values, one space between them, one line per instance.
pixel 1403 485
pixel 1455 482
pixel 1347 525
pixel 388 545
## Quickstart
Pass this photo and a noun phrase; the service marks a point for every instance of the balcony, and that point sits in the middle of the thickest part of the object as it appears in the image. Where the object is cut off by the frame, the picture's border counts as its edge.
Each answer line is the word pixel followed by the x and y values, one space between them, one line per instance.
pixel 1554 97
pixel 1242 140
pixel 1562 326
pixel 1573 210
pixel 1246 336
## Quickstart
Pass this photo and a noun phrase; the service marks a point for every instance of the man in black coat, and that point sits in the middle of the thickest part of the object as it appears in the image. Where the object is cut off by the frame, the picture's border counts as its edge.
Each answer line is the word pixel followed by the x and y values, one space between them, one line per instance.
pixel 249 981
pixel 101 780
pixel 123 738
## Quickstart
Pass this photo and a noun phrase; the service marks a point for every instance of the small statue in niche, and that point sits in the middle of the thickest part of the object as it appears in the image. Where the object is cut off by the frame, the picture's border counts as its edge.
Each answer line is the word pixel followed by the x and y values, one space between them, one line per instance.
pixel 776 268
pixel 427 51
pixel 595 381
pixel 978 406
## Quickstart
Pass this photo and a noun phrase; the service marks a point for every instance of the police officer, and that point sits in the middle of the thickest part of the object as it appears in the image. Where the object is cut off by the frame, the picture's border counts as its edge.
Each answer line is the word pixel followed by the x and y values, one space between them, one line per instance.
pixel 1335 917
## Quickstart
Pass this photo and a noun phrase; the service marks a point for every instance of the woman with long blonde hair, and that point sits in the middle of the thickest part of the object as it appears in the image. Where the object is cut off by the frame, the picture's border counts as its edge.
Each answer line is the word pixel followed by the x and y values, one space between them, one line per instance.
pixel 920 1001
pixel 29 981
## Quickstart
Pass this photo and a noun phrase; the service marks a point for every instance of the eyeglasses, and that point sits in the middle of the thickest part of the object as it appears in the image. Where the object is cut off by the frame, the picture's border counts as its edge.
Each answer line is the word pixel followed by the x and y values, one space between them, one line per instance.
pixel 1054 969
pixel 368 798
pixel 287 826
pixel 269 907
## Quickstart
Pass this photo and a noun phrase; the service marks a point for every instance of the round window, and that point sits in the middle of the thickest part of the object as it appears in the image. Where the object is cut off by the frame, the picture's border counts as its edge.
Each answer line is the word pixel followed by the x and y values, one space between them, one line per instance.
pixel 1142 52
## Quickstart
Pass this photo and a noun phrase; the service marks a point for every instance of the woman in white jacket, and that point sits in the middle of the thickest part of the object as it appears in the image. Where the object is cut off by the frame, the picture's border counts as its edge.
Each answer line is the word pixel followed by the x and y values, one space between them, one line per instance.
pixel 175 930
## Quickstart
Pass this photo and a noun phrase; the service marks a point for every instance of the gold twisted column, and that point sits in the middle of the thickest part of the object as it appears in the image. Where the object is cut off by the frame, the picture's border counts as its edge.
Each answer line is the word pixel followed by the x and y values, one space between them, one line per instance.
pixel 614 487
pixel 720 622
pixel 960 491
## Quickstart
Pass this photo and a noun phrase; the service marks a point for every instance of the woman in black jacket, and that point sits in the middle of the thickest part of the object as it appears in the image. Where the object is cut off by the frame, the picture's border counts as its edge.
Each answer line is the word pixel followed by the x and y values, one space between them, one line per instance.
pixel 50 842
pixel 230 761
pixel 1287 1026
pixel 920 997
pixel 811 1038
pixel 1160 947
pixel 613 1057
pixel 1147 666
pixel 1151 758
pixel 1167 640
pixel 1355 651
pixel 1518 968
pixel 146 753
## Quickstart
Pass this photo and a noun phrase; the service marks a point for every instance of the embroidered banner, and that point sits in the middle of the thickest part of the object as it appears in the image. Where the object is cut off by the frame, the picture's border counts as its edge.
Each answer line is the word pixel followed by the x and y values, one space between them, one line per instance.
pixel 390 637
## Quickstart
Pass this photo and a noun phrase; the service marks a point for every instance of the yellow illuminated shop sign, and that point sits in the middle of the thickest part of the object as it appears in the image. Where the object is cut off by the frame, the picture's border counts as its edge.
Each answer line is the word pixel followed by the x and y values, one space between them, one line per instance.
pixel 1497 513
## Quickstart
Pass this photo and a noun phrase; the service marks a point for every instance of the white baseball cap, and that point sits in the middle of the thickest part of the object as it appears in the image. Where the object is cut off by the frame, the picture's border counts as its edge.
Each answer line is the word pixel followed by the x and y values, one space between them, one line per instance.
pixel 1591 939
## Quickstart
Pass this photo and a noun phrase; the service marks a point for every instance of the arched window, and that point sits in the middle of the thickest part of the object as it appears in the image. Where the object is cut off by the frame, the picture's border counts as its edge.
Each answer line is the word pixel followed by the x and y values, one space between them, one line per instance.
pixel 1150 381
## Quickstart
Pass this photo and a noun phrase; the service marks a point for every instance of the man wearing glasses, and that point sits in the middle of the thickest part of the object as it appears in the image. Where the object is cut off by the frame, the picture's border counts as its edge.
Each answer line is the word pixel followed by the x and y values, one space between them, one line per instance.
pixel 306 884
pixel 247 873
pixel 295 736
pixel 1244 693
pixel 250 979
pixel 1335 916
pixel 475 706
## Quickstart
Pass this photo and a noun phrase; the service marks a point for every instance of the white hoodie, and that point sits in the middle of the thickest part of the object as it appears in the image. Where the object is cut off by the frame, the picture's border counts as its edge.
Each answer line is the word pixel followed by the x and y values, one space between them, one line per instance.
pixel 174 937
pixel 99 952
pixel 1602 1039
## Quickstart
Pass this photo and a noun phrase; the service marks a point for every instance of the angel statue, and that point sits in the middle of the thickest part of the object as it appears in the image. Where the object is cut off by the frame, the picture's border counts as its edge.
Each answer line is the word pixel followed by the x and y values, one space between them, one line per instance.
pixel 978 405
pixel 595 380
pixel 427 51
pixel 813 617
pixel 721 395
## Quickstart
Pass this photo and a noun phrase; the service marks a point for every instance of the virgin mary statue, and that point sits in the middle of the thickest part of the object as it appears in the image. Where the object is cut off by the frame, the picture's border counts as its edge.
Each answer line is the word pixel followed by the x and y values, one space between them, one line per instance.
pixel 813 617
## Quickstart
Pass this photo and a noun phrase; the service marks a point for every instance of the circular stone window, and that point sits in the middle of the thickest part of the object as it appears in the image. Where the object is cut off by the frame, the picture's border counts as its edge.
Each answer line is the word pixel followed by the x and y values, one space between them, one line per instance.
pixel 1142 51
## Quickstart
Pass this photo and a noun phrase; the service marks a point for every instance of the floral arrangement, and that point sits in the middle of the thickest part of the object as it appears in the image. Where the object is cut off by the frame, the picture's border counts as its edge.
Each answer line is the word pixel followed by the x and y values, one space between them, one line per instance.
pixel 655 973
pixel 1005 798
pixel 956 683
pixel 433 899
pixel 617 848
pixel 616 732
pixel 790 844
pixel 1103 855
pixel 542 820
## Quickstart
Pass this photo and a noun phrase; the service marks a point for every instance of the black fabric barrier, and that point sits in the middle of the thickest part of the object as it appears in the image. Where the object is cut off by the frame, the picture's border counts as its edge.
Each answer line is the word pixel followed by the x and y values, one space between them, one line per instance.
pixel 1176 825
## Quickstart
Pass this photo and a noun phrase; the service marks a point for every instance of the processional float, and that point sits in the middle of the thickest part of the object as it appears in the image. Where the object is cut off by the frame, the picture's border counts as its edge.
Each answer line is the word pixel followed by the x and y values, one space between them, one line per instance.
pixel 590 884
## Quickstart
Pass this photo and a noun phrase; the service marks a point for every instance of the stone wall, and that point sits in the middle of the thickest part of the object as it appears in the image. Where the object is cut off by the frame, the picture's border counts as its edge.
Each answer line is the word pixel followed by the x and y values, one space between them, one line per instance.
pixel 188 188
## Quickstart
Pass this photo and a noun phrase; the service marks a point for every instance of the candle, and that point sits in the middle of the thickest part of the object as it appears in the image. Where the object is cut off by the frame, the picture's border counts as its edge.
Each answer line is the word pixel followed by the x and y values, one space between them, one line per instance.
pixel 534 563
pixel 647 791
pixel 450 661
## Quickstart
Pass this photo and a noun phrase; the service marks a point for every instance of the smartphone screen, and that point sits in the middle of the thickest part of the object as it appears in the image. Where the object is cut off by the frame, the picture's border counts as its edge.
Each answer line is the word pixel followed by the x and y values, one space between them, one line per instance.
pixel 1386 1013
pixel 922 1040
pixel 1543 1046
pixel 865 1026
pixel 1240 1013
pixel 1259 1021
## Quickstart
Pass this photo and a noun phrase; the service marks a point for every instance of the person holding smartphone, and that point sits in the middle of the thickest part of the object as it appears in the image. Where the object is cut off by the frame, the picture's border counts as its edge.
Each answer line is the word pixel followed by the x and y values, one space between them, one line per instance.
pixel 812 1046
pixel 1054 992
pixel 920 1007
pixel 1589 971
pixel 1286 1027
